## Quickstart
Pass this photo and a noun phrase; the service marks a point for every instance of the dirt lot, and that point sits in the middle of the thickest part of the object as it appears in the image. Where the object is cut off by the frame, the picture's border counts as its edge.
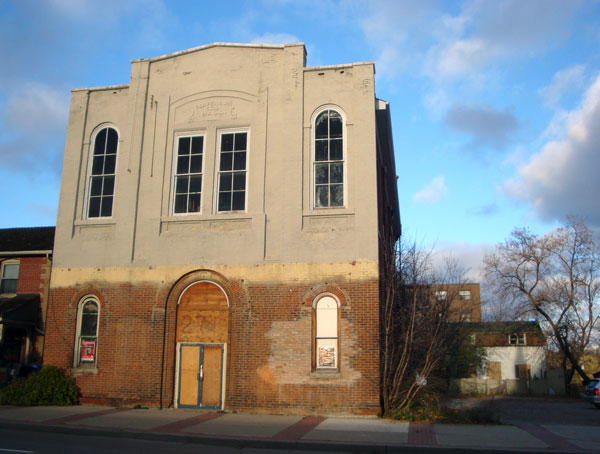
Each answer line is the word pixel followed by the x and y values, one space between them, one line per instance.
pixel 535 410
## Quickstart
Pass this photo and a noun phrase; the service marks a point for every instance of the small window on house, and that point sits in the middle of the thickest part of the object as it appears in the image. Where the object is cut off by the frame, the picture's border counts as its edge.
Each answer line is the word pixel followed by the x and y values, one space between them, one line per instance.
pixel 465 317
pixel 328 160
pixel 233 166
pixel 87 332
pixel 101 174
pixel 326 333
pixel 516 339
pixel 9 277
pixel 441 295
pixel 464 294
pixel 187 175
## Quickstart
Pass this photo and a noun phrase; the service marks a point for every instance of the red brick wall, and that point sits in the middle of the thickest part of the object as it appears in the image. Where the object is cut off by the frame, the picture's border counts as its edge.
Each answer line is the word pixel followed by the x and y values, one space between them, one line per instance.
pixel 33 274
pixel 34 277
pixel 269 348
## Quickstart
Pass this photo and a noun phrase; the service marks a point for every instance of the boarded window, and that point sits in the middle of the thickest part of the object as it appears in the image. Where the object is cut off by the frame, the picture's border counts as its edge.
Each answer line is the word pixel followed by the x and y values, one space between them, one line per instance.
pixel 523 371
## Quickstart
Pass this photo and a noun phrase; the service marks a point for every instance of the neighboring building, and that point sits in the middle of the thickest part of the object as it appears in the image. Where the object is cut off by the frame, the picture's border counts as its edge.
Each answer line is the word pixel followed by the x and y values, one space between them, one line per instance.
pixel 219 229
pixel 465 301
pixel 514 350
pixel 515 361
pixel 25 262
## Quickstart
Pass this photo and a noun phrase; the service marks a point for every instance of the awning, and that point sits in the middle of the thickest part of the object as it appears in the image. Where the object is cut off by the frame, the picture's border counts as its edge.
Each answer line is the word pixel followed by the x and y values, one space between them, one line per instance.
pixel 22 309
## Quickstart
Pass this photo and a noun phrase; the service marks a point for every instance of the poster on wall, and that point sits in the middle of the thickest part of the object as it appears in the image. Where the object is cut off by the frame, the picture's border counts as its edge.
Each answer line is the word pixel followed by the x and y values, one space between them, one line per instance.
pixel 326 357
pixel 88 351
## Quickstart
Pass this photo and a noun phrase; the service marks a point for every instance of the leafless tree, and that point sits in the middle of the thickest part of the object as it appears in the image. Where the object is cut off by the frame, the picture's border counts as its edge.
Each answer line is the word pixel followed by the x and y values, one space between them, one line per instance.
pixel 415 333
pixel 555 278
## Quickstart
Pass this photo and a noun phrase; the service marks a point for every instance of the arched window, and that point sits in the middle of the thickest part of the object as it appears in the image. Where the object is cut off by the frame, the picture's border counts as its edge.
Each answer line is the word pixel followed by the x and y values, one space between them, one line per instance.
pixel 101 174
pixel 328 160
pixel 86 343
pixel 326 333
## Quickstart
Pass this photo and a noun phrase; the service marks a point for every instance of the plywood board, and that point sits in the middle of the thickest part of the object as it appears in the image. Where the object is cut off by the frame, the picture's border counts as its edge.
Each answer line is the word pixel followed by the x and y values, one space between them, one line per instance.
pixel 188 377
pixel 211 385
pixel 202 326
pixel 203 295
pixel 203 315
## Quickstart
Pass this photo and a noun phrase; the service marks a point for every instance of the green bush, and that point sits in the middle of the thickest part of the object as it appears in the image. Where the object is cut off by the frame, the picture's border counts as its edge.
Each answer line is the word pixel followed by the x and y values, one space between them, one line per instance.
pixel 50 386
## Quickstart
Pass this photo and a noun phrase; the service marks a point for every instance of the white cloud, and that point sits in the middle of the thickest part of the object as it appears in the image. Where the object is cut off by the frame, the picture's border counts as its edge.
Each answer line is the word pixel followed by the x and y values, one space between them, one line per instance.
pixel 469 257
pixel 37 108
pixel 562 178
pixel 454 46
pixel 36 116
pixel 276 38
pixel 564 81
pixel 433 192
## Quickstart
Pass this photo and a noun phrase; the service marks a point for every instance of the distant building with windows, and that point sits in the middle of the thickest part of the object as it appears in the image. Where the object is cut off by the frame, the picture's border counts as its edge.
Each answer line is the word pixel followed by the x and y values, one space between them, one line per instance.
pixel 25 264
pixel 464 301
pixel 220 225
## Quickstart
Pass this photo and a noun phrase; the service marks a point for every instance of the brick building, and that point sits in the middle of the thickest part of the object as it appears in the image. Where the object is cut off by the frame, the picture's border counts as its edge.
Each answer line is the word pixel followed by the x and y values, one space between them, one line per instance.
pixel 464 301
pixel 219 231
pixel 25 262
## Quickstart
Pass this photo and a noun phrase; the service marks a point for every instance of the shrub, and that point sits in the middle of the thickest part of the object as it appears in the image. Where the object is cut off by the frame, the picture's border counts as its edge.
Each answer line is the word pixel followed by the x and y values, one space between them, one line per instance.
pixel 50 386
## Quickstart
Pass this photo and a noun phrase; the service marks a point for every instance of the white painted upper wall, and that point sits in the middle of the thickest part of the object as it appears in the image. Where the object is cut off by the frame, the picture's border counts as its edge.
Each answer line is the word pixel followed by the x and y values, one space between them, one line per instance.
pixel 265 90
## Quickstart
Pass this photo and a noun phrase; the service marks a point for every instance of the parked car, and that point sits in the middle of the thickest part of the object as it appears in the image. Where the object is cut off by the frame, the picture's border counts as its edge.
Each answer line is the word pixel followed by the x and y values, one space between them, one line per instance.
pixel 592 392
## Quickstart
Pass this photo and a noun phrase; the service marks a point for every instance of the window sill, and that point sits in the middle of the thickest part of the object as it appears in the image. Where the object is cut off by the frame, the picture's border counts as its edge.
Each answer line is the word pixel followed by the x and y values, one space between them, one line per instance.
pixel 327 211
pixel 80 370
pixel 326 374
pixel 235 220
pixel 193 217
pixel 100 222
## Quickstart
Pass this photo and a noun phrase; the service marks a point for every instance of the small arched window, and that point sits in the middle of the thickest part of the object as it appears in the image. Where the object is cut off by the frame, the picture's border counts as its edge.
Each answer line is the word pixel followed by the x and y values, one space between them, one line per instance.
pixel 328 160
pixel 326 333
pixel 87 331
pixel 101 174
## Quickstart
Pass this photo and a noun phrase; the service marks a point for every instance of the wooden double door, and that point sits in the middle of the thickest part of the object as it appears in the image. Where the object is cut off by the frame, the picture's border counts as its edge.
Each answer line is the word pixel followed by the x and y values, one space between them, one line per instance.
pixel 202 333
pixel 201 369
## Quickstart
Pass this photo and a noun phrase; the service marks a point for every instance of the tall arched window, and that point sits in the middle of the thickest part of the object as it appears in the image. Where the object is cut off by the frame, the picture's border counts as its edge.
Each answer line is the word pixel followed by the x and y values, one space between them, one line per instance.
pixel 101 174
pixel 328 160
pixel 326 333
pixel 86 343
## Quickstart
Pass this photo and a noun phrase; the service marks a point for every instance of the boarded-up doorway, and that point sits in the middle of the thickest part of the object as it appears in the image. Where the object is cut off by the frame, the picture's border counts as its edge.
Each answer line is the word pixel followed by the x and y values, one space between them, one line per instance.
pixel 202 329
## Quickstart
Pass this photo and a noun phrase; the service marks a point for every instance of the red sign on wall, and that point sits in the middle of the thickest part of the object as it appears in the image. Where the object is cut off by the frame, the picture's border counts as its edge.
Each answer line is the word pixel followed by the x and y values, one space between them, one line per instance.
pixel 88 351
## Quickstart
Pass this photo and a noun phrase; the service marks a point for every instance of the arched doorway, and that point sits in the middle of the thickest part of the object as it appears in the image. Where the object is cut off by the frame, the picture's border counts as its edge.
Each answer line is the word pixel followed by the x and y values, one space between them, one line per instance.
pixel 202 331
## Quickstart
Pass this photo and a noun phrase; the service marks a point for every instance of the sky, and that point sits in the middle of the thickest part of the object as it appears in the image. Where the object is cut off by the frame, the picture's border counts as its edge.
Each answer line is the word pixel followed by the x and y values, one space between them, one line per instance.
pixel 495 104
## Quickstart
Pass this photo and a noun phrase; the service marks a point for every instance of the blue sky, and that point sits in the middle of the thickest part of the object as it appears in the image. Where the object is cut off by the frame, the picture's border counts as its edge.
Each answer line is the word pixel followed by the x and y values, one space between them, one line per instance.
pixel 495 104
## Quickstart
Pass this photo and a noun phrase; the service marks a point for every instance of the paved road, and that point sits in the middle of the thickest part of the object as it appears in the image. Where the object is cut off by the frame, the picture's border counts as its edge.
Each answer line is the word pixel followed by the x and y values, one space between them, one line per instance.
pixel 533 410
pixel 31 442
pixel 513 410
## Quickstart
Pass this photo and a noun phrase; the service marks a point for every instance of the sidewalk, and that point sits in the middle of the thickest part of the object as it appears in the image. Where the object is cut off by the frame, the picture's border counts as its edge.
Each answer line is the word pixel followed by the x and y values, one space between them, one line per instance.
pixel 300 432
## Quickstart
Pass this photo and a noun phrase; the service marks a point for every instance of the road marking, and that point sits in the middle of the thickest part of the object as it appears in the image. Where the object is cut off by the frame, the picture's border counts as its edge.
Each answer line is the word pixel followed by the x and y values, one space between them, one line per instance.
pixel 15 450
